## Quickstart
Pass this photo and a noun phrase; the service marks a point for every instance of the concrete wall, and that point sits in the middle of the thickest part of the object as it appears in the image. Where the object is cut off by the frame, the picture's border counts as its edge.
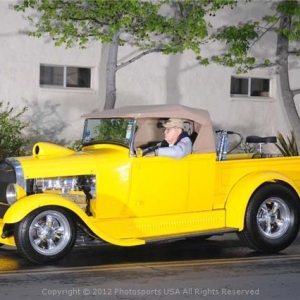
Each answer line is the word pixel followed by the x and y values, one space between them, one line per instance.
pixel 55 114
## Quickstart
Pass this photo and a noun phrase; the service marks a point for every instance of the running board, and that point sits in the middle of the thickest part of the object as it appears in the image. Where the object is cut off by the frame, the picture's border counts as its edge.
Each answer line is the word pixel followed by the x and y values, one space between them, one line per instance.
pixel 85 239
pixel 203 233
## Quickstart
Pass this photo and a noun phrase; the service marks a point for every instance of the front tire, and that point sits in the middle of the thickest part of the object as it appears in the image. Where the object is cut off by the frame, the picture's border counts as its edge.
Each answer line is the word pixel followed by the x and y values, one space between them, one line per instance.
pixel 272 219
pixel 45 235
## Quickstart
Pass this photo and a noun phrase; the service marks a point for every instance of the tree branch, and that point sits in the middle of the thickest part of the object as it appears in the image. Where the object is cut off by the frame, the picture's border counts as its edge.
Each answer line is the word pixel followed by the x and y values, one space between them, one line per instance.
pixel 122 65
pixel 266 29
pixel 274 64
pixel 90 19
pixel 296 92
pixel 296 52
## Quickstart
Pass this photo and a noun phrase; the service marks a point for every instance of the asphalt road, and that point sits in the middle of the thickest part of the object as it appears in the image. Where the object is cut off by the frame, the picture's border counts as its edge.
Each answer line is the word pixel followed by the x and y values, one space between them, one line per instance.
pixel 218 268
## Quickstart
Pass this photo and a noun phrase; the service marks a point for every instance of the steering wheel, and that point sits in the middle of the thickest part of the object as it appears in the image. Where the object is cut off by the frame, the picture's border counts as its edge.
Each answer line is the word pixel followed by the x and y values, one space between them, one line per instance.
pixel 143 152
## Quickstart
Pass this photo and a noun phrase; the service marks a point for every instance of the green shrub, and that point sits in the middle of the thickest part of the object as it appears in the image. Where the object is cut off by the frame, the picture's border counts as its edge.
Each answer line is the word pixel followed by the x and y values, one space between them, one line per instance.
pixel 287 145
pixel 76 146
pixel 12 139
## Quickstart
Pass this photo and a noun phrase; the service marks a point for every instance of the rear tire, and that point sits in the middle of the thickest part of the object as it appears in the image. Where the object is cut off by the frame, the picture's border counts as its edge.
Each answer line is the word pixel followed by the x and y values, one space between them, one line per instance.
pixel 272 219
pixel 45 235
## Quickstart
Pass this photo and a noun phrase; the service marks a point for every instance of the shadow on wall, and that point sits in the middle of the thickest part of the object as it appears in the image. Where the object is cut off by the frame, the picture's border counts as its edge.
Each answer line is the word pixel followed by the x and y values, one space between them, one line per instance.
pixel 172 72
pixel 45 122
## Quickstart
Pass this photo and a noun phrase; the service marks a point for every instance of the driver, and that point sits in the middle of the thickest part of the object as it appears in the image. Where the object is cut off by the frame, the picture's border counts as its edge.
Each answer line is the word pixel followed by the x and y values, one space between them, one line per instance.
pixel 176 144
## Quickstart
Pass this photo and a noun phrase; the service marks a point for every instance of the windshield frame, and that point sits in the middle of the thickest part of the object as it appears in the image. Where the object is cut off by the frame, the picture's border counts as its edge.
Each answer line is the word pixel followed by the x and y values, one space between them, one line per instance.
pixel 129 133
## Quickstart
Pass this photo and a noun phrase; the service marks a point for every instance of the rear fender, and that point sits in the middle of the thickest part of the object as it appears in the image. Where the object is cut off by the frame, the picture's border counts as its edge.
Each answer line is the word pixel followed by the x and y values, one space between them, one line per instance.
pixel 240 194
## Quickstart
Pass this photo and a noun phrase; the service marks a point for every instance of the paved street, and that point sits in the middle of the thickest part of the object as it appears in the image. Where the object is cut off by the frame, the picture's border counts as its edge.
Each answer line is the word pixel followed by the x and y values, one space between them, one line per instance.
pixel 219 268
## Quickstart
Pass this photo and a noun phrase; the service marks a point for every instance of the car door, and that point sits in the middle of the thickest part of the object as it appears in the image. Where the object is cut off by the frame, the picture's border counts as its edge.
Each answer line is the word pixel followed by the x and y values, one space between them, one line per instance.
pixel 202 178
pixel 159 185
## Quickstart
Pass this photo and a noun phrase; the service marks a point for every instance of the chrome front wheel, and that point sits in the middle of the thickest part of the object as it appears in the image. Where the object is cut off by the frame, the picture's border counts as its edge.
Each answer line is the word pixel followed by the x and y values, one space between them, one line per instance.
pixel 45 235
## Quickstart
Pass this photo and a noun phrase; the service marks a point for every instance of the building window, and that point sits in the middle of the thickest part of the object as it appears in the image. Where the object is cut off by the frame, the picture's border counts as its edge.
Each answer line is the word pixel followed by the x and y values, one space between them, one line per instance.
pixel 250 87
pixel 65 77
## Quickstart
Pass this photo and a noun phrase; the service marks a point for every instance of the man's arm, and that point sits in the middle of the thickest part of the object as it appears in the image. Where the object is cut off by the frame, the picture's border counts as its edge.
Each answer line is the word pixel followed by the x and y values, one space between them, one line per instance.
pixel 183 148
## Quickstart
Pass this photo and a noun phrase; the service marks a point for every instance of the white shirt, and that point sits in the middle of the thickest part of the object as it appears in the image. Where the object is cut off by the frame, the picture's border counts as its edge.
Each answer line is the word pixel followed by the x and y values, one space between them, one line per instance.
pixel 180 150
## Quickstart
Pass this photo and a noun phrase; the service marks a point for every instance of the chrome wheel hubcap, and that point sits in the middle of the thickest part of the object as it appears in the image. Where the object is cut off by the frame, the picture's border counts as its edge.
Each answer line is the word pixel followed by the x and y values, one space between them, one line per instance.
pixel 273 218
pixel 49 232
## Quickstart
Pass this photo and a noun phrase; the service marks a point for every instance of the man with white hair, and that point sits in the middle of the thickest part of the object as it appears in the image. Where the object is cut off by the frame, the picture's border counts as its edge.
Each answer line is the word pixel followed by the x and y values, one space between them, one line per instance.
pixel 177 143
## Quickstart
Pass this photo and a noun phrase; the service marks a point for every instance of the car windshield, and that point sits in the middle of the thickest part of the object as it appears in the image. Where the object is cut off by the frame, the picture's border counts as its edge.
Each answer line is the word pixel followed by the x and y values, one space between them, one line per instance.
pixel 117 131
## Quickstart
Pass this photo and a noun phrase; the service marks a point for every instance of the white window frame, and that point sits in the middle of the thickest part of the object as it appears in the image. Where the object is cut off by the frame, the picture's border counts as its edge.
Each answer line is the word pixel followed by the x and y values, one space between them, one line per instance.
pixel 248 95
pixel 64 83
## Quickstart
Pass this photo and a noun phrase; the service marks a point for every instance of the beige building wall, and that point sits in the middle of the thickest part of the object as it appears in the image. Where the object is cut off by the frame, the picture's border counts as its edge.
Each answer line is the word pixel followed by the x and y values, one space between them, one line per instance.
pixel 55 114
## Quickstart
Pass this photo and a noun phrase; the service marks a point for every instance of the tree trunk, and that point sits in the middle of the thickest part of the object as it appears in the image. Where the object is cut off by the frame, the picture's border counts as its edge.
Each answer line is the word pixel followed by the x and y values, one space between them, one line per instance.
pixel 111 69
pixel 287 93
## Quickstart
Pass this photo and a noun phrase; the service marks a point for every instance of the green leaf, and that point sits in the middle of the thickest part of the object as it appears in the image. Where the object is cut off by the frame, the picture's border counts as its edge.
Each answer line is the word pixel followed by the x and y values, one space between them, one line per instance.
pixel 166 24
pixel 287 145
pixel 12 139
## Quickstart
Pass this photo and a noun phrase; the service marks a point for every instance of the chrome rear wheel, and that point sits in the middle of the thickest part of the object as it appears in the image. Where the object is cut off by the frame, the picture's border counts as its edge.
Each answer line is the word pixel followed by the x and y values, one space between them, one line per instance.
pixel 272 218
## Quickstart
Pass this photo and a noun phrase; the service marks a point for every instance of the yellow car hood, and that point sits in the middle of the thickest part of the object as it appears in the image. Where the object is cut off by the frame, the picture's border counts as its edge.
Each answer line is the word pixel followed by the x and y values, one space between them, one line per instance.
pixel 50 160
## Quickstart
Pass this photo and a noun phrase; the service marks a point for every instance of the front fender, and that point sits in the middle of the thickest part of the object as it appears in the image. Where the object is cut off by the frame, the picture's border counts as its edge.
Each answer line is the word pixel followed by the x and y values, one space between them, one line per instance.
pixel 24 206
pixel 239 196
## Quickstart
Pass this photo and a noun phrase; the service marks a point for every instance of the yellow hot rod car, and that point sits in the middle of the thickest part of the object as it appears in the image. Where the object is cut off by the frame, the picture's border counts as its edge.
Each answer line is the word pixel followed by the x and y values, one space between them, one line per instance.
pixel 110 192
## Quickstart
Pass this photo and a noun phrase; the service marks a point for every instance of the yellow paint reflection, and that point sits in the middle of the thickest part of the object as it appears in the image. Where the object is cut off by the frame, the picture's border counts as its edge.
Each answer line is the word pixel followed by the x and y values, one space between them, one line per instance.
pixel 7 263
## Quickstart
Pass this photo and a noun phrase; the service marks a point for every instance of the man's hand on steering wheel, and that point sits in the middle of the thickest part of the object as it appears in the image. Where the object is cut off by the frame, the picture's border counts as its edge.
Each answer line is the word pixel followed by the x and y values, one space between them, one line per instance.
pixel 144 152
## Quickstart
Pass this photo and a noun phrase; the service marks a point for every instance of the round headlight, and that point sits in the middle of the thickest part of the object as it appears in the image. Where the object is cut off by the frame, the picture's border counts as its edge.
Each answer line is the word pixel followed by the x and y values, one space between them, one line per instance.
pixel 11 193
pixel 14 192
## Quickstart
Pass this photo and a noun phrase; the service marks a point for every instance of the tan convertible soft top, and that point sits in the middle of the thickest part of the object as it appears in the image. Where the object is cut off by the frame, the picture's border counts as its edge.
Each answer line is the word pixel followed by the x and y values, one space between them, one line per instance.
pixel 202 123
